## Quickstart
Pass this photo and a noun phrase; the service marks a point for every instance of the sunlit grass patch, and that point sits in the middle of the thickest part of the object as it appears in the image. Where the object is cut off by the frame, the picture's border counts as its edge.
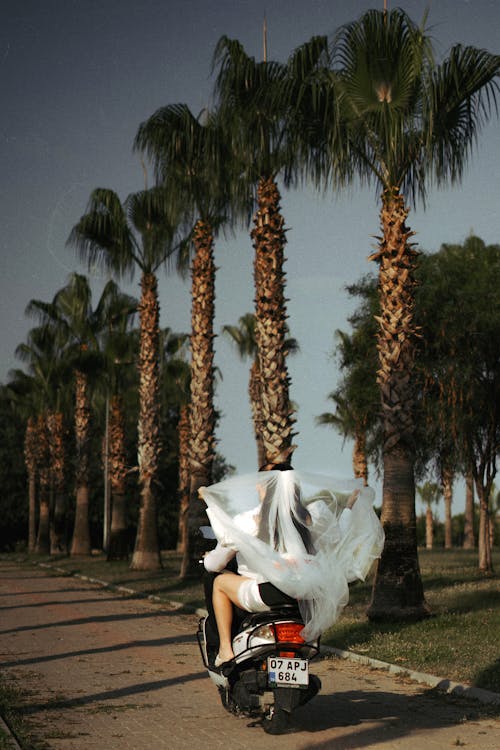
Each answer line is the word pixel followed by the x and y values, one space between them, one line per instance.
pixel 461 639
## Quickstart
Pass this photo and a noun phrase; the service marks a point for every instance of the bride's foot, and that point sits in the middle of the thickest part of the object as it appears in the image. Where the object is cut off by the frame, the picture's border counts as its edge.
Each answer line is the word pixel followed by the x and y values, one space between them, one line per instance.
pixel 222 658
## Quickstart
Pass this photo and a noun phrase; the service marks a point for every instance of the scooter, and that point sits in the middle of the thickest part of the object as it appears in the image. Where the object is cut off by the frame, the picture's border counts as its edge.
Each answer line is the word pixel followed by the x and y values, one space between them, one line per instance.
pixel 269 676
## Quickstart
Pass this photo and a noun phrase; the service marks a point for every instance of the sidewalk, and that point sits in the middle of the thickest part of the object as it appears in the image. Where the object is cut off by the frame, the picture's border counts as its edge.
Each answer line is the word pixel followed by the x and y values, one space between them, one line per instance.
pixel 107 672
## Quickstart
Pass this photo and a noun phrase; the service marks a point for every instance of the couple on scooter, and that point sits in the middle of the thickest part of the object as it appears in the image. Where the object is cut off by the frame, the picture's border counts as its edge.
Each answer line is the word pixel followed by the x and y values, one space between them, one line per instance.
pixel 302 542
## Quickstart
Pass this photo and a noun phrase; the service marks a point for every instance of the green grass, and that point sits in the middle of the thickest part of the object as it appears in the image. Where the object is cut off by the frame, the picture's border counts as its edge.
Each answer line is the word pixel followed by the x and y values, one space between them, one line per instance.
pixel 164 584
pixel 12 702
pixel 459 642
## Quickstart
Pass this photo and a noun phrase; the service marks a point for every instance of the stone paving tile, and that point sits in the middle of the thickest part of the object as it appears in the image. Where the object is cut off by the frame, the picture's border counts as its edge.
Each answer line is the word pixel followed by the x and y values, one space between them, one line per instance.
pixel 109 672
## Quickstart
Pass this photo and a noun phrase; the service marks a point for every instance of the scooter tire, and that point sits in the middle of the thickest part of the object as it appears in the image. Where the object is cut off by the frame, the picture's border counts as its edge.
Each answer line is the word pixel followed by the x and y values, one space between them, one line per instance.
pixel 226 700
pixel 279 722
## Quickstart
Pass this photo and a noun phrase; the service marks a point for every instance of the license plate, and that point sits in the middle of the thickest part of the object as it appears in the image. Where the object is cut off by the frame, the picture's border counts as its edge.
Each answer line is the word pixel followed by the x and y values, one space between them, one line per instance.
pixel 283 672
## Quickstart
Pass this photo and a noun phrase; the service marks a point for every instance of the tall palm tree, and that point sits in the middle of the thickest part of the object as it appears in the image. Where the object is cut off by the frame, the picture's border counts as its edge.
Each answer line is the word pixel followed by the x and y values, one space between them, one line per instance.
pixel 120 237
pixel 243 336
pixel 429 493
pixel 356 399
pixel 48 368
pixel 119 345
pixel 26 396
pixel 70 319
pixel 30 461
pixel 405 121
pixel 191 160
pixel 255 100
pixel 349 424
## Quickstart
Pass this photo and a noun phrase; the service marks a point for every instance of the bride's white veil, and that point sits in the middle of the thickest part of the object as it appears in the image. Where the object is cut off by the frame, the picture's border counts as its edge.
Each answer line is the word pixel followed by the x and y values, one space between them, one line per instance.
pixel 299 546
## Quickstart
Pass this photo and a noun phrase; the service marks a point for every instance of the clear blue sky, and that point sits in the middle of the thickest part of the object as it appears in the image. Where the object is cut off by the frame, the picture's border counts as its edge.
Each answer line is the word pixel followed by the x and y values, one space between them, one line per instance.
pixel 78 76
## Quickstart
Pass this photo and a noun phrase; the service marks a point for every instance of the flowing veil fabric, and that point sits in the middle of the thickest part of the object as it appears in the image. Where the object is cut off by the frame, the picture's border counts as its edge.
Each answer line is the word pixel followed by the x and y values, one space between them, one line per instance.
pixel 291 507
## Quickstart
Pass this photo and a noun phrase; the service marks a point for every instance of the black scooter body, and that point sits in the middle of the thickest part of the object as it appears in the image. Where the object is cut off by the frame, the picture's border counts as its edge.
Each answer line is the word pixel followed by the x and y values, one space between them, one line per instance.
pixel 244 682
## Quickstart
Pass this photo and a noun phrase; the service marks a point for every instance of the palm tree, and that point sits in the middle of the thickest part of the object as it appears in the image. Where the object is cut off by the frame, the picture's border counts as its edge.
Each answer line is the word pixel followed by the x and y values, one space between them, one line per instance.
pixel 26 397
pixel 356 405
pixel 119 346
pixel 429 493
pixel 184 484
pixel 45 438
pixel 243 336
pixel 70 319
pixel 404 121
pixel 345 420
pixel 30 461
pixel 191 160
pixel 120 237
pixel 255 100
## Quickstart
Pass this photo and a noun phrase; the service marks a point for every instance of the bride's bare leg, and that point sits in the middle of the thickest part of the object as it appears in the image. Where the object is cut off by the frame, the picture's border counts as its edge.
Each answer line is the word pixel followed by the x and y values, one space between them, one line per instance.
pixel 225 594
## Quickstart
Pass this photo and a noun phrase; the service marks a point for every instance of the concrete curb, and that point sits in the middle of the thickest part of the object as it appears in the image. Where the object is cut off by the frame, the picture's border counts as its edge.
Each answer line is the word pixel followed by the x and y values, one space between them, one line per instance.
pixel 447 686
pixel 440 683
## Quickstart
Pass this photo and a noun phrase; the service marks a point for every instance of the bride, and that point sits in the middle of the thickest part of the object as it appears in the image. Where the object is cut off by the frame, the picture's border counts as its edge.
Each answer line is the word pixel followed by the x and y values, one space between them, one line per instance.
pixel 295 536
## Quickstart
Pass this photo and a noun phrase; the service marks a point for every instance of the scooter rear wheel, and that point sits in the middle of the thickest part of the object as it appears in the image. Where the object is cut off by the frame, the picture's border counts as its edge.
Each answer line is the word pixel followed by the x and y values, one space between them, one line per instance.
pixel 226 700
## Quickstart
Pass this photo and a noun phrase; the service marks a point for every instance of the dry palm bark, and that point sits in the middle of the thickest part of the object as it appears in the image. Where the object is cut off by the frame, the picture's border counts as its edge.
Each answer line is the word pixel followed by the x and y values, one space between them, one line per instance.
pixel 147 546
pixel 184 473
pixel 429 528
pixel 58 541
pixel 359 462
pixel 117 468
pixel 254 391
pixel 202 414
pixel 30 463
pixel 43 465
pixel 80 544
pixel 268 235
pixel 398 587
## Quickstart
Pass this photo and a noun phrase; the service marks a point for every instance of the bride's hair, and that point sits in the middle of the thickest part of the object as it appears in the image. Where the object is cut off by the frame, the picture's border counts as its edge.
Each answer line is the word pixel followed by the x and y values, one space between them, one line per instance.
pixel 271 530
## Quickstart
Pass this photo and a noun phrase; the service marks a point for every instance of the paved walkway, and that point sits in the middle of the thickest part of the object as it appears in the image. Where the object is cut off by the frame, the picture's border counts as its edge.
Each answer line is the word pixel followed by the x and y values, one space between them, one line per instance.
pixel 104 672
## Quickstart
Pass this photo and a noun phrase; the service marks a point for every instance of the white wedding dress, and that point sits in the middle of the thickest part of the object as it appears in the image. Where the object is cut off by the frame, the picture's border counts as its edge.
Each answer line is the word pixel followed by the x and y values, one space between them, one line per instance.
pixel 299 508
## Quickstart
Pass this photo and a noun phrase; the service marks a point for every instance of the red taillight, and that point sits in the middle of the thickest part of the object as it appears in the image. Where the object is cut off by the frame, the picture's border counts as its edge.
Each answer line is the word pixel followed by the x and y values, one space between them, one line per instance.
pixel 288 632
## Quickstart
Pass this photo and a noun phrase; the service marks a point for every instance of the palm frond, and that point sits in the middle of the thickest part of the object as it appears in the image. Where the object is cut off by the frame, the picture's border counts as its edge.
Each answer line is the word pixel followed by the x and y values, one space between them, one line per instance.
pixel 102 235
pixel 463 92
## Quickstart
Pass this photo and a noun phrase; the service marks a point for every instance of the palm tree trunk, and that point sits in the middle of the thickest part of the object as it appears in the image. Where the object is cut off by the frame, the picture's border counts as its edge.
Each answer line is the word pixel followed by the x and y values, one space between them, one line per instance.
pixel 448 498
pixel 469 542
pixel 80 544
pixel 269 240
pixel 30 462
pixel 43 462
pixel 184 441
pixel 397 591
pixel 117 459
pixel 58 541
pixel 202 413
pixel 31 512
pixel 147 544
pixel 359 462
pixel 429 528
pixel 254 390
pixel 42 546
